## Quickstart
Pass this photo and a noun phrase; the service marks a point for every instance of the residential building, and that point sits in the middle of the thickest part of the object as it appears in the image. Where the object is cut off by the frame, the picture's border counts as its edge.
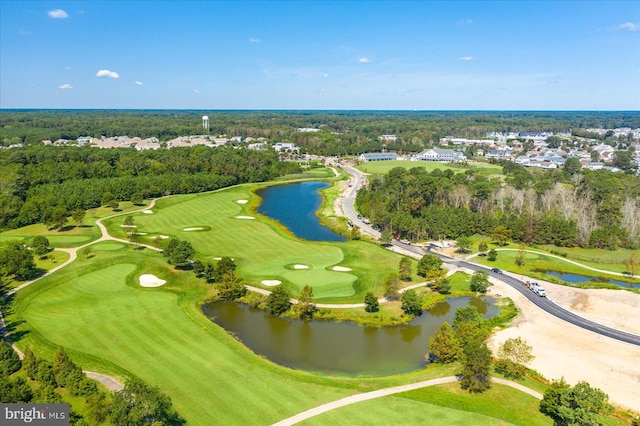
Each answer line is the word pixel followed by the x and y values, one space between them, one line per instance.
pixel 439 154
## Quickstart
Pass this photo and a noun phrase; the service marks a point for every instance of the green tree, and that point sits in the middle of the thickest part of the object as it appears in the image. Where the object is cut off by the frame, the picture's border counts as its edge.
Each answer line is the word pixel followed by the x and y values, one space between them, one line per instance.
pixel 482 246
pixel 129 223
pixel 98 407
pixel 40 245
pixel 574 406
pixel 411 303
pixel 15 390
pixel 230 287
pixel 463 244
pixel 30 363
pixel 209 272
pixel 404 268
pixel 226 265
pixel 305 307
pixel 427 263
pixel 198 268
pixel 444 345
pixel 520 257
pixel 45 373
pixel 113 204
pixel 86 252
pixel 633 263
pixel 476 363
pixel 78 216
pixel 622 159
pixel 480 282
pixel 444 286
pixel 371 303
pixel 59 217
pixel 493 255
pixel 16 259
pixel 143 405
pixel 391 287
pixel 107 198
pixel 62 367
pixel 355 233
pixel 9 360
pixel 466 314
pixel 500 235
pixel 136 198
pixel 386 236
pixel 181 254
pixel 512 354
pixel 278 301
pixel 572 166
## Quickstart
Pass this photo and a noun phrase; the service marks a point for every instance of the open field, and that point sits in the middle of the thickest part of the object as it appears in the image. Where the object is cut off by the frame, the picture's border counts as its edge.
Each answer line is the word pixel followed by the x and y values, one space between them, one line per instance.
pixel 382 167
pixel 263 249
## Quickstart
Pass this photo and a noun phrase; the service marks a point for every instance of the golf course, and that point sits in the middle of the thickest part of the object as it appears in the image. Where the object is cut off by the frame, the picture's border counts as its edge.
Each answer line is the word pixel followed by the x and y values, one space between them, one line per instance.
pixel 98 311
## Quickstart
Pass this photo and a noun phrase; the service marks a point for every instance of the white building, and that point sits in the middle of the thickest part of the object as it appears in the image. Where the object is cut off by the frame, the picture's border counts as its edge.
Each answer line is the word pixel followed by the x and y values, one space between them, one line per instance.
pixel 438 154
pixel 284 145
pixel 378 156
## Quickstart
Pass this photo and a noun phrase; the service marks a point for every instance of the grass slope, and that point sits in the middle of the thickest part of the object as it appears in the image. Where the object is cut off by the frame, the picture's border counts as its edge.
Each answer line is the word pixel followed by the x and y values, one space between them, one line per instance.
pixel 383 167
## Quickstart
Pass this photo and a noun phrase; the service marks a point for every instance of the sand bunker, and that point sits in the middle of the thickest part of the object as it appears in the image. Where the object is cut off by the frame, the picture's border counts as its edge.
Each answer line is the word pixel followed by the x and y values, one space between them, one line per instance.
pixel 300 267
pixel 163 237
pixel 219 258
pixel 193 229
pixel 242 201
pixel 245 217
pixel 147 212
pixel 149 280
pixel 270 283
pixel 341 269
pixel 129 226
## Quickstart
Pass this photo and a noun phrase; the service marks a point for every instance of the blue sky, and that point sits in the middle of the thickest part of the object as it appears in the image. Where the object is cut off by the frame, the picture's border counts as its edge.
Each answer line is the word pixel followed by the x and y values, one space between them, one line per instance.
pixel 468 55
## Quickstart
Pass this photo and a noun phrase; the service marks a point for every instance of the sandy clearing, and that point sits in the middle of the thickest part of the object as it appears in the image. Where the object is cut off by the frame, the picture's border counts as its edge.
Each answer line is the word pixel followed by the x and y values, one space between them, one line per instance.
pixel 564 350
pixel 242 201
pixel 149 280
pixel 341 269
pixel 193 229
pixel 245 217
pixel 271 283
pixel 147 212
pixel 300 266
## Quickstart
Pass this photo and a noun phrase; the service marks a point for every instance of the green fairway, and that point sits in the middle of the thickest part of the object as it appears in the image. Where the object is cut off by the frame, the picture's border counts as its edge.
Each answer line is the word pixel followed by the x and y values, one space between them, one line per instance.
pixel 441 405
pixel 263 249
pixel 383 167
pixel 97 308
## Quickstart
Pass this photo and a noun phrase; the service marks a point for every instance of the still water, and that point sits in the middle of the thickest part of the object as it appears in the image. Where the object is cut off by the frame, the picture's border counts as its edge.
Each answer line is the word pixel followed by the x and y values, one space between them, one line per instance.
pixel 340 348
pixel 294 205
pixel 577 279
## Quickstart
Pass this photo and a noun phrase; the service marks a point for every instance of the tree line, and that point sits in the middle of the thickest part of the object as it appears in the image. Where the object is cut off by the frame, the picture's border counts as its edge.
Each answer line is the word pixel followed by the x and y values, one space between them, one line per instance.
pixel 592 209
pixel 37 180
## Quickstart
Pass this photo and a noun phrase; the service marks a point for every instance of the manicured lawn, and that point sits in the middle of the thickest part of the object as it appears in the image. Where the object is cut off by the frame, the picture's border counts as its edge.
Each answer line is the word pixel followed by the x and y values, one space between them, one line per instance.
pixel 442 405
pixel 107 322
pixel 506 261
pixel 383 167
pixel 263 249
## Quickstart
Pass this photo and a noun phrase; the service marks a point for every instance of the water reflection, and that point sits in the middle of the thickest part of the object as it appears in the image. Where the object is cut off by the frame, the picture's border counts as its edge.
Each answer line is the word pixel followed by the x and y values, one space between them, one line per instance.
pixel 340 348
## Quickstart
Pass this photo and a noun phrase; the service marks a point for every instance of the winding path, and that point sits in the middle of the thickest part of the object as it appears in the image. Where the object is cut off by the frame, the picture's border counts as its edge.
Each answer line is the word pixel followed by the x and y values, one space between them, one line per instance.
pixel 353 399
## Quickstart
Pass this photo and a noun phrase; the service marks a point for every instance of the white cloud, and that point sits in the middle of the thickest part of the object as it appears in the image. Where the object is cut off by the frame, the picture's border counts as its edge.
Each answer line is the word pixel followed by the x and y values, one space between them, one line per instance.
pixel 364 60
pixel 325 75
pixel 107 74
pixel 57 14
pixel 139 83
pixel 628 26
pixel 467 58
pixel 65 86
pixel 254 40
pixel 67 68
pixel 465 22
pixel 196 91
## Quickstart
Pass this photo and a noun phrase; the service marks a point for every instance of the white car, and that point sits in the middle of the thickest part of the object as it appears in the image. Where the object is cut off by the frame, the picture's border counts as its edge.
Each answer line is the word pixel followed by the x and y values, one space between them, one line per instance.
pixel 540 292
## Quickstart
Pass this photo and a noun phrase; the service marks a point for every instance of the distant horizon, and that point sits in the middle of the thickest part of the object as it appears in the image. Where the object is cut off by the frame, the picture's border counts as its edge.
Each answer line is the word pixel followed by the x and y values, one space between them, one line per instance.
pixel 321 55
pixel 323 110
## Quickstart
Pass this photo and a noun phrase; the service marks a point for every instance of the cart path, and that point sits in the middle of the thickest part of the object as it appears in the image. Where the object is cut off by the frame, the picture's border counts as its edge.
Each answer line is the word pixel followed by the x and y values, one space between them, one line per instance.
pixel 353 399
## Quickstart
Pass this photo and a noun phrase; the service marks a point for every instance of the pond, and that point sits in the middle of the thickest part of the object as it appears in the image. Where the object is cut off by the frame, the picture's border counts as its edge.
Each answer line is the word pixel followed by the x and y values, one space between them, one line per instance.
pixel 340 347
pixel 577 278
pixel 294 205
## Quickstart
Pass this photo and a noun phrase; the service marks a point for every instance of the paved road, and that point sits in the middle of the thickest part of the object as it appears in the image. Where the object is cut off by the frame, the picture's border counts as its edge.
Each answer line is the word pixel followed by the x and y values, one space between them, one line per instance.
pixel 542 302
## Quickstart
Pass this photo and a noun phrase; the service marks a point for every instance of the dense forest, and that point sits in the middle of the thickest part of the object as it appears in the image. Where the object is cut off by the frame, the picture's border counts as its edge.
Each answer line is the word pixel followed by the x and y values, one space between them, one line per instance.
pixel 342 132
pixel 594 209
pixel 38 182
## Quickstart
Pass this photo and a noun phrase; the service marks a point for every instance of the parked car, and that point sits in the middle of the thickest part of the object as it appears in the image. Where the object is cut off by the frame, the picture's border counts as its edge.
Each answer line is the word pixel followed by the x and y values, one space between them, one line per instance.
pixel 496 270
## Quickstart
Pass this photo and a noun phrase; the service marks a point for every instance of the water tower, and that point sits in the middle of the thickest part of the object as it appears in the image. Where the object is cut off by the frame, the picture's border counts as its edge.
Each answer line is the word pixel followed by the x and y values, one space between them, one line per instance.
pixel 205 122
